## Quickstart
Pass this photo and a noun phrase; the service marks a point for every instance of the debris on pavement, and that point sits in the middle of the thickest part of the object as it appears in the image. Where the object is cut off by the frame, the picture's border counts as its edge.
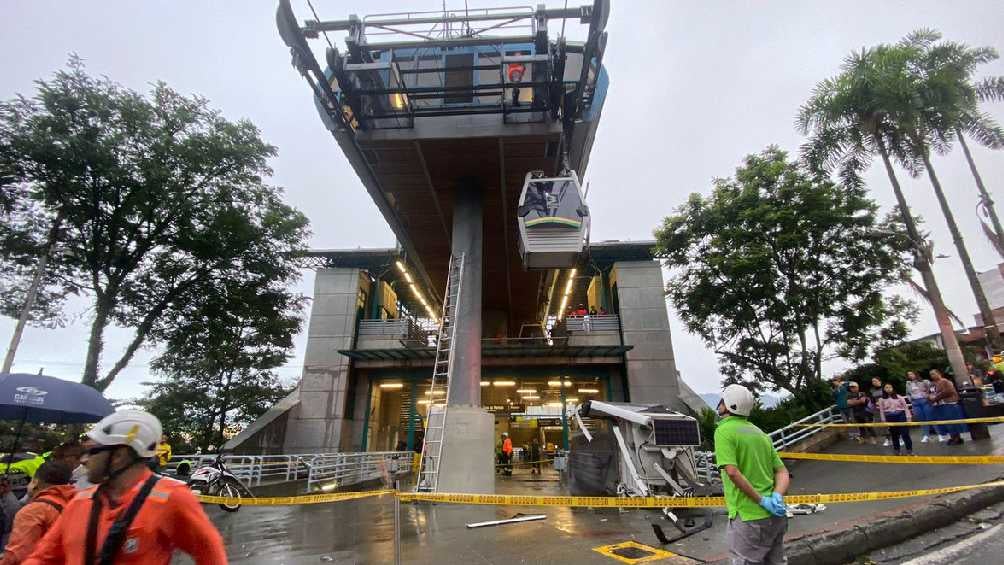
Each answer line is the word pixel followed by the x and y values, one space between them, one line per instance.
pixel 517 518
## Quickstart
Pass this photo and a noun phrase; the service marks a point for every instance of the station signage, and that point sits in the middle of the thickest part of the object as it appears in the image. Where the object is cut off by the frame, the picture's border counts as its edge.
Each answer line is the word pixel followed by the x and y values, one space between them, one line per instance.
pixel 504 408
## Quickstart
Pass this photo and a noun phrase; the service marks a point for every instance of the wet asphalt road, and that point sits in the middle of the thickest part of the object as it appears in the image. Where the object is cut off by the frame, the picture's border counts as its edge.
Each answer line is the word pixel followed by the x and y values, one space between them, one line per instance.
pixel 362 531
pixel 978 539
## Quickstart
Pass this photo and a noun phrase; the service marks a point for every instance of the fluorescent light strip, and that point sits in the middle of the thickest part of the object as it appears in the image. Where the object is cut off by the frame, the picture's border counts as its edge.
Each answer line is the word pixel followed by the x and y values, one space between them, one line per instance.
pixel 588 391
pixel 391 385
pixel 504 383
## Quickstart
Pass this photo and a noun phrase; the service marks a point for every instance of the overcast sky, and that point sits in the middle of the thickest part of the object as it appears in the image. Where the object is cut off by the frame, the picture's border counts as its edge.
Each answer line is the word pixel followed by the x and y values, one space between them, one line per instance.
pixel 694 87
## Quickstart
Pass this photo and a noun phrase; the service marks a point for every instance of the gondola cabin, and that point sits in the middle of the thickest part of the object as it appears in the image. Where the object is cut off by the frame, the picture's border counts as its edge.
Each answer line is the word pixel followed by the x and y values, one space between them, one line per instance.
pixel 553 221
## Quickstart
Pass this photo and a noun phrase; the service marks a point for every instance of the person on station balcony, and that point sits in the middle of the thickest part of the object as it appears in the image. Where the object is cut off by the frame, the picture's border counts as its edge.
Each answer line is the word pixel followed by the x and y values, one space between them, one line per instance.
pixel 581 310
pixel 603 311
pixel 592 311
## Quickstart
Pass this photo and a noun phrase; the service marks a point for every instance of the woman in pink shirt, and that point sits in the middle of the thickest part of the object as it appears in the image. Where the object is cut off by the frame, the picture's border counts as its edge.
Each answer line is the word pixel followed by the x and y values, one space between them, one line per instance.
pixel 893 408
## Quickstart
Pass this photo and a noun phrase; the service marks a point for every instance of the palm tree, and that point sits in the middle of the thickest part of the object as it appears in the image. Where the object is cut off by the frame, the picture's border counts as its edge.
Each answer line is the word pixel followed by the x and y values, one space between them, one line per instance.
pixel 848 123
pixel 953 97
pixel 925 110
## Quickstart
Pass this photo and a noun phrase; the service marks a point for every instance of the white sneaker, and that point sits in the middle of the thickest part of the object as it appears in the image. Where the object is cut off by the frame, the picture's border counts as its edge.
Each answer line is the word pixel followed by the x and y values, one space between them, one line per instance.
pixel 942 438
pixel 885 443
pixel 925 439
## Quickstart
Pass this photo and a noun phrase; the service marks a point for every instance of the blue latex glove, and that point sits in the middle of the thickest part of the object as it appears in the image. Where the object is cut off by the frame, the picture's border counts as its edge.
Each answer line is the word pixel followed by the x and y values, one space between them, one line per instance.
pixel 770 504
pixel 779 502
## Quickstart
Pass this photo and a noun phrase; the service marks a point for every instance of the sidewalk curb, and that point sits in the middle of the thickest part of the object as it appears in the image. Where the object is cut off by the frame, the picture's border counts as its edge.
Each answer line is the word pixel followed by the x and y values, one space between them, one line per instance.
pixel 840 547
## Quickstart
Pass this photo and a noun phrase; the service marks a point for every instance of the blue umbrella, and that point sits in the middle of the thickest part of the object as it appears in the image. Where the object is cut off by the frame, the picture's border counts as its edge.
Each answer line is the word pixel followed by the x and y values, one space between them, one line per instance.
pixel 38 398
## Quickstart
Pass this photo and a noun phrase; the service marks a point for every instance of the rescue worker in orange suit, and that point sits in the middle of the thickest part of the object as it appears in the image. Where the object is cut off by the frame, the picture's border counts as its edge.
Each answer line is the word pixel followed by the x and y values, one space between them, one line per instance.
pixel 507 454
pixel 133 515
pixel 50 491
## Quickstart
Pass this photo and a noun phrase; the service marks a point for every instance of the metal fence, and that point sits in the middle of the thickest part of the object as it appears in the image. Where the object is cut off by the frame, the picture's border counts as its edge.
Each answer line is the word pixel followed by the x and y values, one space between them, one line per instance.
pixel 593 323
pixel 338 469
pixel 334 470
pixel 252 470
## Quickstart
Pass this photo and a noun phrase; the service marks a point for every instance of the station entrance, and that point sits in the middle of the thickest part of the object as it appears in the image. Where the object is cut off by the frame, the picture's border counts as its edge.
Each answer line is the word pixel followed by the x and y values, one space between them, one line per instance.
pixel 528 404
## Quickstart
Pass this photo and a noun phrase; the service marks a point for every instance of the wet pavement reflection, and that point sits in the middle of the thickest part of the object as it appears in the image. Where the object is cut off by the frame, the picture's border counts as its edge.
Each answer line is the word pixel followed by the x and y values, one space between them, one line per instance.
pixel 362 531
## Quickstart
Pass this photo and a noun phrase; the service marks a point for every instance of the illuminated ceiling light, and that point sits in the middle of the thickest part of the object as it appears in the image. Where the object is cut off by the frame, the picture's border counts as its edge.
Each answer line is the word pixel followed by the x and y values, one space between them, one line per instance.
pixel 400 266
pixel 564 305
pixel 568 286
pixel 391 385
pixel 527 391
pixel 571 400
pixel 414 288
pixel 504 383
pixel 425 402
pixel 486 383
pixel 435 392
pixel 531 397
pixel 397 100
pixel 407 277
pixel 588 391
pixel 555 384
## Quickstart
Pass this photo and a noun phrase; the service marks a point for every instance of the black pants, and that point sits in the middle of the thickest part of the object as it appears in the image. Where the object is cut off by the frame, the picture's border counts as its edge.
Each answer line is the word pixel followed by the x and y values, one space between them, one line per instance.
pixel 864 418
pixel 899 432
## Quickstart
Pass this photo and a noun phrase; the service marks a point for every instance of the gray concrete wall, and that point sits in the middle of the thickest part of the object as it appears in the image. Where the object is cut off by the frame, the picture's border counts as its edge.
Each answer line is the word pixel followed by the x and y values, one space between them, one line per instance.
pixel 319 424
pixel 651 366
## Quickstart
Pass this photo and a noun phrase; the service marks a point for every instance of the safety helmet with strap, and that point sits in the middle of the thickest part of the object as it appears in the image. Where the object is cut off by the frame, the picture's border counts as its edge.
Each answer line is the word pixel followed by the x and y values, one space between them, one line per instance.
pixel 738 400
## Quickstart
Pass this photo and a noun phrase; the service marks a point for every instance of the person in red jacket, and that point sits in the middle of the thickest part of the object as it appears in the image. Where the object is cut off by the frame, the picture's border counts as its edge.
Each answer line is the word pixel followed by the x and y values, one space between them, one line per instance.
pixel 133 516
pixel 50 492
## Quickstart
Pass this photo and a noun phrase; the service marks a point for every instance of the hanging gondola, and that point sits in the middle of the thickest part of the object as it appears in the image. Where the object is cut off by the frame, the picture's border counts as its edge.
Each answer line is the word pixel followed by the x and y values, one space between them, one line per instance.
pixel 553 221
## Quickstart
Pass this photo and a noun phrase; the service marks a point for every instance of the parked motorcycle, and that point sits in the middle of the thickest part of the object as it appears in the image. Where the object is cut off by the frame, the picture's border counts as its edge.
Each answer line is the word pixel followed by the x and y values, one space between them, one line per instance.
pixel 216 479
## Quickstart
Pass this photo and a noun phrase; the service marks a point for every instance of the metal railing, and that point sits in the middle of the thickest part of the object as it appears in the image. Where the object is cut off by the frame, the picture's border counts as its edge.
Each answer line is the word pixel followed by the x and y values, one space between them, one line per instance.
pixel 251 470
pixel 597 323
pixel 782 438
pixel 400 328
pixel 334 470
pixel 793 433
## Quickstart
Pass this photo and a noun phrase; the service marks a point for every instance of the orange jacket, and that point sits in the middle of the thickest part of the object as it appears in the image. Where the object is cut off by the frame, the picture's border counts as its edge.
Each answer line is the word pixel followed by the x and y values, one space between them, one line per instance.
pixel 171 518
pixel 507 446
pixel 32 521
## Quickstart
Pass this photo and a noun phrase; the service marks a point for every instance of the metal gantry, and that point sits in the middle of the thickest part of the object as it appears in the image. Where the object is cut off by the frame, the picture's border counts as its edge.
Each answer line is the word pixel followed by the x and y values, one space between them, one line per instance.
pixel 442 374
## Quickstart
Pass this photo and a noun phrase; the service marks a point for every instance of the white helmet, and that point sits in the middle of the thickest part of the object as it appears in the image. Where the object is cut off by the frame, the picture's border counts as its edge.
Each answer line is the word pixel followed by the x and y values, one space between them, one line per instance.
pixel 134 428
pixel 738 400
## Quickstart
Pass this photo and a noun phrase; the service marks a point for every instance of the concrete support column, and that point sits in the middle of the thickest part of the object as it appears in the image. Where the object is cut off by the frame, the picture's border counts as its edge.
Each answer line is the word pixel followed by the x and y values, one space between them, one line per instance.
pixel 468 232
pixel 468 463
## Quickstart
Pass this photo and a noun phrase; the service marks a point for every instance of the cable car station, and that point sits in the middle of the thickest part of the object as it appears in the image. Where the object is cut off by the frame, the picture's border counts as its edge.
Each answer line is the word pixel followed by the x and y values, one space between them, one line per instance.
pixel 495 313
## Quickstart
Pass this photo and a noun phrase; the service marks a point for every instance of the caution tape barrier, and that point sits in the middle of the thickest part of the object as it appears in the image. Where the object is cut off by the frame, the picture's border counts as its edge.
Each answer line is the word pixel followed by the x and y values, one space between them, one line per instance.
pixel 293 500
pixel 588 501
pixel 899 459
pixel 987 420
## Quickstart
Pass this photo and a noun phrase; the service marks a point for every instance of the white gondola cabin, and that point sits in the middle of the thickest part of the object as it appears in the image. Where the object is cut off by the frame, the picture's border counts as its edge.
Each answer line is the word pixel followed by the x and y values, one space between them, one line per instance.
pixel 553 221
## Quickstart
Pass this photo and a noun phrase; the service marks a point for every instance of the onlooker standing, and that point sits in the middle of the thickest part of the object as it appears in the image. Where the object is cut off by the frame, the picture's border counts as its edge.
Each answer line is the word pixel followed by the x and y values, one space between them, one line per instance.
pixel 893 408
pixel 162 455
pixel 946 407
pixel 535 455
pixel 918 389
pixel 861 405
pixel 755 481
pixel 840 398
pixel 50 491
pixel 876 391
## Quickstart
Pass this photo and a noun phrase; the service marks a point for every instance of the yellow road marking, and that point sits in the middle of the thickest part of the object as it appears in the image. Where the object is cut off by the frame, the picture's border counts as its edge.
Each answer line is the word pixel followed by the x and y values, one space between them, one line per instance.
pixel 898 459
pixel 654 554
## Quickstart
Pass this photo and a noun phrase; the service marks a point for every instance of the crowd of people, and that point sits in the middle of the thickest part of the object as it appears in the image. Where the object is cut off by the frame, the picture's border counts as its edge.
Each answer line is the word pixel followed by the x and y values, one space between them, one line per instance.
pixel 931 399
pixel 99 501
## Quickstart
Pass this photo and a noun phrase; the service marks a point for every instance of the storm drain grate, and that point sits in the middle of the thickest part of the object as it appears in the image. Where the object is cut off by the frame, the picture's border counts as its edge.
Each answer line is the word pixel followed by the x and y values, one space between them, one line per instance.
pixel 633 552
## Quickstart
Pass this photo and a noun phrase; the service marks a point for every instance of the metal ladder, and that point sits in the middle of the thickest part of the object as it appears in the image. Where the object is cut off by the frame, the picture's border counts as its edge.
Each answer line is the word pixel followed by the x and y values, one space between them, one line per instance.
pixel 442 373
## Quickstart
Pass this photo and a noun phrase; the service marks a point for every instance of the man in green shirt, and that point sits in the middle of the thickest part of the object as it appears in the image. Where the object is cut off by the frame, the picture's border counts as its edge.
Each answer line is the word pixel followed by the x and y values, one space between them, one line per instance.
pixel 755 481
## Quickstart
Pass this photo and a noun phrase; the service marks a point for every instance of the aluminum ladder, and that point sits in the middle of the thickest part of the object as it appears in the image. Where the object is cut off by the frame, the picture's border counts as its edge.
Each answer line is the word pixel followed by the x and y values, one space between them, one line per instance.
pixel 442 373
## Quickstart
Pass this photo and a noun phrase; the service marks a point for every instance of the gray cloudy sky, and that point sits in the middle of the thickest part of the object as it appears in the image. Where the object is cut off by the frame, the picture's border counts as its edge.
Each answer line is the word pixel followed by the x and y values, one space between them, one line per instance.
pixel 695 86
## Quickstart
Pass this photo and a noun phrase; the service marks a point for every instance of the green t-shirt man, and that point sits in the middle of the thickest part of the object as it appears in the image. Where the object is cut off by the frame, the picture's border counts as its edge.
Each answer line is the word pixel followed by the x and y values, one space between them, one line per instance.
pixel 745 446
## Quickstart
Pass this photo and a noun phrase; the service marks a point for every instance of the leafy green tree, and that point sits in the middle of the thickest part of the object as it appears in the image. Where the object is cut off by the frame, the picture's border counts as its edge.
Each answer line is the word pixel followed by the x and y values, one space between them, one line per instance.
pixel 160 198
pixel 850 118
pixel 777 269
pixel 218 367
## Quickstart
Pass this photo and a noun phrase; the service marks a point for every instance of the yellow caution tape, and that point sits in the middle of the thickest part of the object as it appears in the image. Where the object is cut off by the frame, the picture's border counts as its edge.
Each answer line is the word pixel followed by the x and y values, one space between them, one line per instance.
pixel 292 500
pixel 899 459
pixel 987 420
pixel 669 501
pixel 587 501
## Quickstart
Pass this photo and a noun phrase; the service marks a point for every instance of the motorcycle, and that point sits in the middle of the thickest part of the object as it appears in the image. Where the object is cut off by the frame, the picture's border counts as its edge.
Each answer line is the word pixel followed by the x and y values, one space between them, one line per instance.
pixel 216 479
